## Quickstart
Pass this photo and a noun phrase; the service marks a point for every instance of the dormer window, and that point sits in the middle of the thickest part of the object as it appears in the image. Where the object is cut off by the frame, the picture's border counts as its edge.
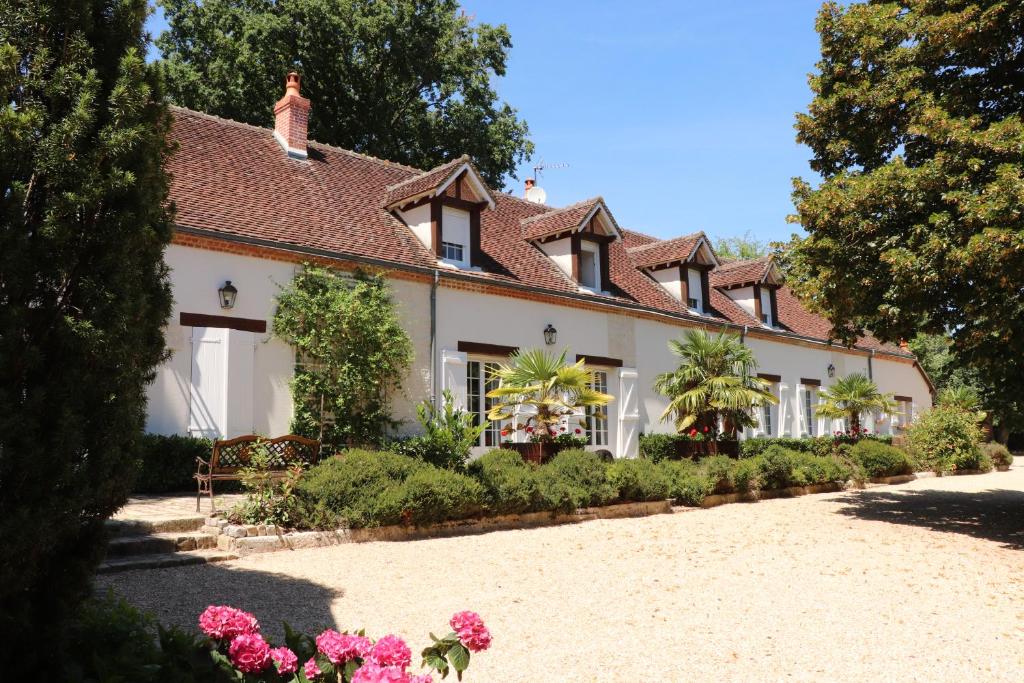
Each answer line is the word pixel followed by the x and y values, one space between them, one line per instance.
pixel 695 290
pixel 681 267
pixel 450 251
pixel 754 285
pixel 767 308
pixel 590 265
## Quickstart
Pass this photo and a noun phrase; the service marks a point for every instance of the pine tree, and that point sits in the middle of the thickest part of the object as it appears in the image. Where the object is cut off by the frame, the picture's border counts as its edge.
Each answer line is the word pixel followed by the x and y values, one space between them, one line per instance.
pixel 83 297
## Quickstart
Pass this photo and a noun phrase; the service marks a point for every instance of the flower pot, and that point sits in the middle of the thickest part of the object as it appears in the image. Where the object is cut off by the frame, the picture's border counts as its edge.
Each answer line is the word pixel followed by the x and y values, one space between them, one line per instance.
pixel 539 453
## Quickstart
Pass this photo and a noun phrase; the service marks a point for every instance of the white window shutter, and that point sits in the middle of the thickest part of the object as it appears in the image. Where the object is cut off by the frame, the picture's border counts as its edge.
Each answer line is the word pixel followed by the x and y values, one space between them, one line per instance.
pixel 629 414
pixel 453 377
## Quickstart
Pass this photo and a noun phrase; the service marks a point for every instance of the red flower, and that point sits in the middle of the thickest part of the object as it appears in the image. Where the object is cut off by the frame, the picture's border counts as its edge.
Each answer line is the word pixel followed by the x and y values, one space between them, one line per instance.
pixel 693 431
pixel 504 432
pixel 529 430
pixel 705 429
pixel 579 431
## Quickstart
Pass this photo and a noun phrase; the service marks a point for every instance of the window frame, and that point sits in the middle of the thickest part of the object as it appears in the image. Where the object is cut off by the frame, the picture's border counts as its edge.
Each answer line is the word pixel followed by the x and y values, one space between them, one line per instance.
pixel 598 430
pixel 477 369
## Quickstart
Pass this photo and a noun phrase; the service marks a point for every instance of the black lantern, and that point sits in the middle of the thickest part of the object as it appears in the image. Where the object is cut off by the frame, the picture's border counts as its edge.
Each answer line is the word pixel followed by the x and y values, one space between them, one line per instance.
pixel 550 334
pixel 831 370
pixel 227 295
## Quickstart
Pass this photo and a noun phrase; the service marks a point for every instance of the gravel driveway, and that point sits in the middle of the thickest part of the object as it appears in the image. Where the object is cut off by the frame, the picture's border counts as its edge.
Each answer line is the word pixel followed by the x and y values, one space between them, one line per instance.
pixel 919 582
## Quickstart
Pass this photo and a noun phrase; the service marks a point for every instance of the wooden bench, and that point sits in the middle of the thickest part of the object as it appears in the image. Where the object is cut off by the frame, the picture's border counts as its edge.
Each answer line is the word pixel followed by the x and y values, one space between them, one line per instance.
pixel 231 456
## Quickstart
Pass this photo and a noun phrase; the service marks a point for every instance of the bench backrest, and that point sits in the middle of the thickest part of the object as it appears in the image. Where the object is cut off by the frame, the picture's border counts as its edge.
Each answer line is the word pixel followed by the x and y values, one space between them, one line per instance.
pixel 231 455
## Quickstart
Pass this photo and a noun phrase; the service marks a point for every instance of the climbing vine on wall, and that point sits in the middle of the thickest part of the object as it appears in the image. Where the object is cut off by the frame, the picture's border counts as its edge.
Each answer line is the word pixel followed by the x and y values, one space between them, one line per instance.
pixel 351 354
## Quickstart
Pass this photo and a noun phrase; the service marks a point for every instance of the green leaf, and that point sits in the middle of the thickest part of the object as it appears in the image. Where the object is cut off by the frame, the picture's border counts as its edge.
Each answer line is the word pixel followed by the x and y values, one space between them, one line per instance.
pixel 459 657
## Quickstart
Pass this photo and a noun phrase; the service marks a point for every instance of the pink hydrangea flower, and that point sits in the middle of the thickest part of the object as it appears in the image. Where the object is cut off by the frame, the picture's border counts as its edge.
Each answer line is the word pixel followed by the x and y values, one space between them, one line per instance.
pixel 223 622
pixel 422 678
pixel 374 673
pixel 287 662
pixel 390 651
pixel 249 653
pixel 311 669
pixel 342 647
pixel 470 629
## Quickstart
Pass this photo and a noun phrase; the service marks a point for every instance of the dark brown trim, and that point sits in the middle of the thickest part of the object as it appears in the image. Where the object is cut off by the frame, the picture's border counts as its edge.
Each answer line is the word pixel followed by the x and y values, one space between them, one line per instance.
pixel 705 290
pixel 475 255
pixel 553 237
pixel 435 226
pixel 904 399
pixel 684 284
pixel 599 360
pixel 205 320
pixel 487 349
pixel 574 249
pixel 810 382
pixel 606 278
pixel 458 185
pixel 769 377
pixel 599 239
pixel 460 203
pixel 757 304
pixel 775 305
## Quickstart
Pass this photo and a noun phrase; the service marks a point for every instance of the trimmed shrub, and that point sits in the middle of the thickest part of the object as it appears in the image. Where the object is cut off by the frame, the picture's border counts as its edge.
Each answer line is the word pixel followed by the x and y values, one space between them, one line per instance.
pixel 508 483
pixel 432 495
pixel 658 447
pixel 637 479
pixel 165 464
pixel 998 454
pixel 776 466
pixel 877 459
pixel 815 469
pixel 718 469
pixel 946 438
pixel 687 483
pixel 574 479
pixel 973 460
pixel 818 445
pixel 746 475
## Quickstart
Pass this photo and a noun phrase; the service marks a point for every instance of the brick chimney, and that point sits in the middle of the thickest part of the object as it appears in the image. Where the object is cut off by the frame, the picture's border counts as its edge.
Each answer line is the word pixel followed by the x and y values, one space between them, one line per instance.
pixel 291 118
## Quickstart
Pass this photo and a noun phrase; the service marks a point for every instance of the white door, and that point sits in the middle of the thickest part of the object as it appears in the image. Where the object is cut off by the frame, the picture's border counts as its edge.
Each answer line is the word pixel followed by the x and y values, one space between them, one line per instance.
pixel 209 384
pixel 629 414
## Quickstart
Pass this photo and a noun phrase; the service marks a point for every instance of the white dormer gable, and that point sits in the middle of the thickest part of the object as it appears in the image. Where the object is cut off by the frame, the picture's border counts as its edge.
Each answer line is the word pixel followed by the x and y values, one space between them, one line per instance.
pixel 681 267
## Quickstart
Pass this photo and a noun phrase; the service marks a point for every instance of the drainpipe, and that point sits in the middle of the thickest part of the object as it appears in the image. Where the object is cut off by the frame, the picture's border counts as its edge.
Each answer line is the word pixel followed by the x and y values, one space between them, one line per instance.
pixel 433 337
pixel 743 336
pixel 871 375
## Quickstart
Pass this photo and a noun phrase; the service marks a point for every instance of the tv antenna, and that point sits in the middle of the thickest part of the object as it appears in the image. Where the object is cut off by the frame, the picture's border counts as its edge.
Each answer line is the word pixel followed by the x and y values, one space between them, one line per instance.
pixel 543 166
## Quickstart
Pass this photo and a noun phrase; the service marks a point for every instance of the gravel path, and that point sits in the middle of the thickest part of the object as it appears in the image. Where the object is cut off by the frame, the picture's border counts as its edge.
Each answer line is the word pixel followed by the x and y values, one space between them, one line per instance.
pixel 919 582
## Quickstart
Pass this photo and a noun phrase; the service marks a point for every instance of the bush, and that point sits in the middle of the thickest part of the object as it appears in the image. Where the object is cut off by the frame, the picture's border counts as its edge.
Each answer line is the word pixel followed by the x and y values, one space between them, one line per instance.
pixel 687 483
pixel 637 479
pixel 746 475
pixel 946 438
pixel 818 445
pixel 165 464
pixel 449 434
pixel 508 483
pixel 877 459
pixel 658 447
pixel 998 454
pixel 432 495
pixel 351 488
pixel 776 468
pixel 811 469
pixel 719 469
pixel 574 479
pixel 973 460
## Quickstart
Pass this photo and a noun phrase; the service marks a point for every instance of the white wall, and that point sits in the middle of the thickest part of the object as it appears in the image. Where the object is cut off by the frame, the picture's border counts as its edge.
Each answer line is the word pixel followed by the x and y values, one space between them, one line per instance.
pixel 560 251
pixel 418 220
pixel 744 296
pixel 669 279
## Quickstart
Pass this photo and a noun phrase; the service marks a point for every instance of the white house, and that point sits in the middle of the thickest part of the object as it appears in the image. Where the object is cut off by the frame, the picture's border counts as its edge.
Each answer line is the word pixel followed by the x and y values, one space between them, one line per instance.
pixel 476 274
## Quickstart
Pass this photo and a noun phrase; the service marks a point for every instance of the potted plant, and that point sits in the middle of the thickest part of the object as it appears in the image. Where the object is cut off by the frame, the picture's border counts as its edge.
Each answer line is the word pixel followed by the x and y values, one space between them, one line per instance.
pixel 547 391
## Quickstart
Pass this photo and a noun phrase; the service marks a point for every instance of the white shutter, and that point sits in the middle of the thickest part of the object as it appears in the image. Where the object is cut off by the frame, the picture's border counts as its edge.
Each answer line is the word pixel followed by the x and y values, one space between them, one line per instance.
pixel 629 414
pixel 453 377
pixel 801 410
pixel 241 360
pixel 208 385
pixel 784 427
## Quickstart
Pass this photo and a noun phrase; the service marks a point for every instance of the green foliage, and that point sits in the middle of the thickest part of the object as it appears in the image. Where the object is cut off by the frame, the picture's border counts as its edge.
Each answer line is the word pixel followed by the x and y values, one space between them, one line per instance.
pixel 998 454
pixel 431 495
pixel 508 482
pixel 817 445
pixel 916 127
pixel 746 475
pixel 715 379
pixel 574 479
pixel 658 447
pixel 877 459
pixel 776 468
pixel 400 80
pixel 850 396
pixel 84 296
pixel 718 469
pixel 270 495
pixel 946 438
pixel 549 388
pixel 167 463
pixel 740 247
pixel 449 435
pixel 638 479
pixel 354 353
pixel 687 483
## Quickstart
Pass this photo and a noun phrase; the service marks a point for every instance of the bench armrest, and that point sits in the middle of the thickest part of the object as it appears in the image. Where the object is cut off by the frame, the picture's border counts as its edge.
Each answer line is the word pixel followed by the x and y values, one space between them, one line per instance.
pixel 200 464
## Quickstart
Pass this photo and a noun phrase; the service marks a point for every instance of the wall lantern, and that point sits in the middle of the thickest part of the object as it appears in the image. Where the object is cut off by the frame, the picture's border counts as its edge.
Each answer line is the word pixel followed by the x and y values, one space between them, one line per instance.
pixel 550 334
pixel 227 293
pixel 831 370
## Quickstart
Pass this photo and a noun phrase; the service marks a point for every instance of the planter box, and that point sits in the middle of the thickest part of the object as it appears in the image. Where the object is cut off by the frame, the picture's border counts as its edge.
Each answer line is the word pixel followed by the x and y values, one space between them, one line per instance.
pixel 539 453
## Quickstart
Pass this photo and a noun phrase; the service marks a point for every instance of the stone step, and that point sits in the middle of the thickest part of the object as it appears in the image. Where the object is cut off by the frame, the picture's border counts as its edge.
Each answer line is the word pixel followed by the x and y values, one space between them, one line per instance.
pixel 163 560
pixel 159 543
pixel 136 527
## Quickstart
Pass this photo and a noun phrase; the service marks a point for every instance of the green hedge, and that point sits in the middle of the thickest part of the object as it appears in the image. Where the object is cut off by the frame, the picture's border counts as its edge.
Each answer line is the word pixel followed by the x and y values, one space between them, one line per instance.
pixel 659 447
pixel 509 485
pixel 165 464
pixel 998 454
pixel 878 459
pixel 638 479
pixel 574 479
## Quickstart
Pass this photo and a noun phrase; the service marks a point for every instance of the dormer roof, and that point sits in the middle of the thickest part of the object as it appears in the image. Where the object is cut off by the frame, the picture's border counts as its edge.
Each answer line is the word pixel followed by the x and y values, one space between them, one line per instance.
pixel 674 252
pixel 436 181
pixel 570 219
pixel 746 272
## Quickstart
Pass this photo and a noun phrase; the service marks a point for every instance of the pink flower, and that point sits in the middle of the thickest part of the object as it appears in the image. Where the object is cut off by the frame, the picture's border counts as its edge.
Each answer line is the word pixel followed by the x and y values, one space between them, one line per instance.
pixel 311 669
pixel 422 678
pixel 390 651
pixel 287 662
pixel 374 673
pixel 340 648
pixel 579 431
pixel 223 622
pixel 529 430
pixel 470 629
pixel 249 653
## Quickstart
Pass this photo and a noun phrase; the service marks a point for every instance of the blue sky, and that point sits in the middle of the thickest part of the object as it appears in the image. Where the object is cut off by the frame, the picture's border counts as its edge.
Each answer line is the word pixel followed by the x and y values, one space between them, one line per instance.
pixel 680 114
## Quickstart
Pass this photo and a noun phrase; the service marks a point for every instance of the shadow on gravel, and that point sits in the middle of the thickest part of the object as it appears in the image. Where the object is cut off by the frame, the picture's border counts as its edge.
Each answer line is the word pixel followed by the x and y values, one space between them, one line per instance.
pixel 994 515
pixel 178 595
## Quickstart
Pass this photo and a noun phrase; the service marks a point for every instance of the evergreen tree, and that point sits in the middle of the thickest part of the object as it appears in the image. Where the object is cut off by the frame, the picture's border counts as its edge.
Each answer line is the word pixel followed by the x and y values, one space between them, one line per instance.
pixel 83 297
pixel 404 80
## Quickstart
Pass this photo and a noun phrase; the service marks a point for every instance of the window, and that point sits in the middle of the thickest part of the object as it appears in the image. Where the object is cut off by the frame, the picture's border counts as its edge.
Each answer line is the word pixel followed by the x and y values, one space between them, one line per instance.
pixel 810 420
pixel 597 430
pixel 589 266
pixel 766 419
pixel 479 381
pixel 766 307
pixel 904 411
pixel 451 251
pixel 694 285
pixel 693 303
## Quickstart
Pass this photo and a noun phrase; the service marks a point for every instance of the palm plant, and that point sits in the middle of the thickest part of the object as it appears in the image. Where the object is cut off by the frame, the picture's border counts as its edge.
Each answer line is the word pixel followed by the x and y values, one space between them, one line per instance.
pixel 850 396
pixel 548 388
pixel 715 380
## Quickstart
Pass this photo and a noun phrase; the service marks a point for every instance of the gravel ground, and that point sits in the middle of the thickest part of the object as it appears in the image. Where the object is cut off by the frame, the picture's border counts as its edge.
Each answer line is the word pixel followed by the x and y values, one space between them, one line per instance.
pixel 919 582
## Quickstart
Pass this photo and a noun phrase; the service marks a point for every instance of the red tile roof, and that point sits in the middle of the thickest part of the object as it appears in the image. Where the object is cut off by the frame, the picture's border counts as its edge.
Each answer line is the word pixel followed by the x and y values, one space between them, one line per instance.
pixel 665 251
pixel 554 221
pixel 234 179
pixel 740 272
pixel 428 181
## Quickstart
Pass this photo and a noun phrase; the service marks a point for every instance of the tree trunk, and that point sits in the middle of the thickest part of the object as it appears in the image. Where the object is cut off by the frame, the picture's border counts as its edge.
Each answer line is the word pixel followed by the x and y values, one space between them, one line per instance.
pixel 855 422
